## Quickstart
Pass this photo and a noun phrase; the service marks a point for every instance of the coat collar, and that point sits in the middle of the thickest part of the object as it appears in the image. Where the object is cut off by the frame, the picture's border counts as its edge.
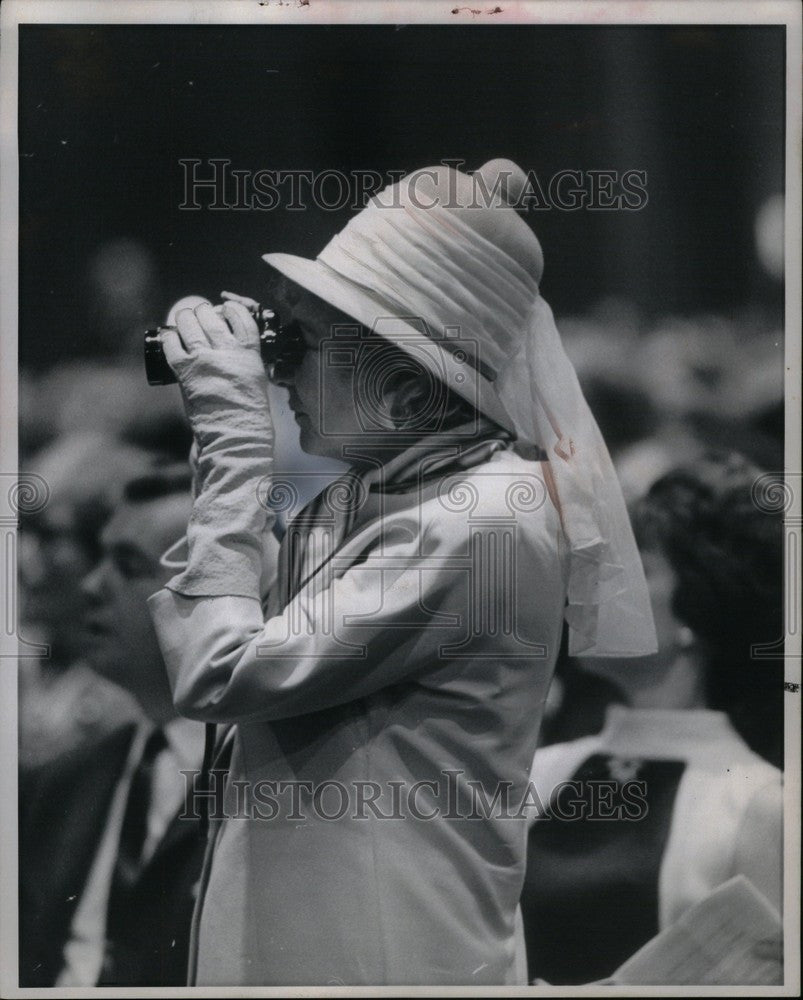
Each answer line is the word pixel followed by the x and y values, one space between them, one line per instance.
pixel 437 455
pixel 361 497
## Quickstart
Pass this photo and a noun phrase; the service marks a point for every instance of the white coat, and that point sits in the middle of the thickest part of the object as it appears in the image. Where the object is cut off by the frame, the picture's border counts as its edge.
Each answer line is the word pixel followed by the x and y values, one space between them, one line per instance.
pixel 416 652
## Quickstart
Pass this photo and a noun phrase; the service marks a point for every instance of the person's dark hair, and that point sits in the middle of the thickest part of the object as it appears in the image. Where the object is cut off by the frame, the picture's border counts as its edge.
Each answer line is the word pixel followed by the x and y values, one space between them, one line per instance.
pixel 727 553
pixel 162 481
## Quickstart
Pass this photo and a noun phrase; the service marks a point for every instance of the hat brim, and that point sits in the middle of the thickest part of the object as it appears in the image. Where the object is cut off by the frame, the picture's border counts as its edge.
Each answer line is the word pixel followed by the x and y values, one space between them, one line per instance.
pixel 369 310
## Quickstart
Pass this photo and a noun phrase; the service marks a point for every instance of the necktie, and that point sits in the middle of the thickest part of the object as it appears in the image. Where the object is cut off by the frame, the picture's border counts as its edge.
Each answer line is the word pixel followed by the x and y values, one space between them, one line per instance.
pixel 121 929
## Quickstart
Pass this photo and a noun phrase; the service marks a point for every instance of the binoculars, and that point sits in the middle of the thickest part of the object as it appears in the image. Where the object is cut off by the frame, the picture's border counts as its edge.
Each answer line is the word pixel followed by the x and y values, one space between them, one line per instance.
pixel 159 372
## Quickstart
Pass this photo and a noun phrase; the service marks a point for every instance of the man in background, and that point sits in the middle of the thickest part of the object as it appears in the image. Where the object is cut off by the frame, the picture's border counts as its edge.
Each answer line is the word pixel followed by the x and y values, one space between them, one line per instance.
pixel 62 702
pixel 108 867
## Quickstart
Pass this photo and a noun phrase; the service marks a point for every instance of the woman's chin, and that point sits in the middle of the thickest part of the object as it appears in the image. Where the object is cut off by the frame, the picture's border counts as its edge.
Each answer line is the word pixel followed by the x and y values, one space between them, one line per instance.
pixel 310 441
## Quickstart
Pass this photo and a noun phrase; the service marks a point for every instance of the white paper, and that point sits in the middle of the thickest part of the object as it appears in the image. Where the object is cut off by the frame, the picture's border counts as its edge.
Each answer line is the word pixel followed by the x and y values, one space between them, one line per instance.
pixel 734 936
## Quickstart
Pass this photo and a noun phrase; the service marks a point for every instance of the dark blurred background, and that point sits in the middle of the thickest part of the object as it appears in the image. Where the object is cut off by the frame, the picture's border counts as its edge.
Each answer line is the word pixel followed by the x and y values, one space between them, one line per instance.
pixel 105 114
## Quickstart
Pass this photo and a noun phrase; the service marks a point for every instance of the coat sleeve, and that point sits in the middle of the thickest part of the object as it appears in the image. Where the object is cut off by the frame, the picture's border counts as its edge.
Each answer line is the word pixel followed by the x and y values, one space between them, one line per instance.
pixel 382 618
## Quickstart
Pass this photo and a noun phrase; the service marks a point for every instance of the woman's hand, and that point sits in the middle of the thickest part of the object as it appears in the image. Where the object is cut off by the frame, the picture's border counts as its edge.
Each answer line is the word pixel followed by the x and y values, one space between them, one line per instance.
pixel 211 344
pixel 214 353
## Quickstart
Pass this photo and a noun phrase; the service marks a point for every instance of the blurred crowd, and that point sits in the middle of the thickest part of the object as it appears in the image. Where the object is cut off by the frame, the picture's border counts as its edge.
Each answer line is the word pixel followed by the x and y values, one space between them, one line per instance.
pixel 667 394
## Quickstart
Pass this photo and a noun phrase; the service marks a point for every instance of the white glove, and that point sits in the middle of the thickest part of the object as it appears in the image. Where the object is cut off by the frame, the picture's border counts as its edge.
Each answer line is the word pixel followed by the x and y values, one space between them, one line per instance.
pixel 215 356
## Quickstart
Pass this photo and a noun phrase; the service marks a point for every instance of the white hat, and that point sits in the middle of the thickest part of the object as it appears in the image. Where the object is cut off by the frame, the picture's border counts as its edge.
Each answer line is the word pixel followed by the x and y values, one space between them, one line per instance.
pixel 443 266
pixel 369 271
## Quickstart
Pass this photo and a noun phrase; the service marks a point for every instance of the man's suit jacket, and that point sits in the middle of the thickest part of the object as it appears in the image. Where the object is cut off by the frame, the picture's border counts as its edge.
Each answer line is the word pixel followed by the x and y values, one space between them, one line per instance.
pixel 62 815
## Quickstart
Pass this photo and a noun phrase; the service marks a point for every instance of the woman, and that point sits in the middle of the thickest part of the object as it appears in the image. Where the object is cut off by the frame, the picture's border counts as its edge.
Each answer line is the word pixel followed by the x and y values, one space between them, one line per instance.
pixel 410 632
pixel 700 723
